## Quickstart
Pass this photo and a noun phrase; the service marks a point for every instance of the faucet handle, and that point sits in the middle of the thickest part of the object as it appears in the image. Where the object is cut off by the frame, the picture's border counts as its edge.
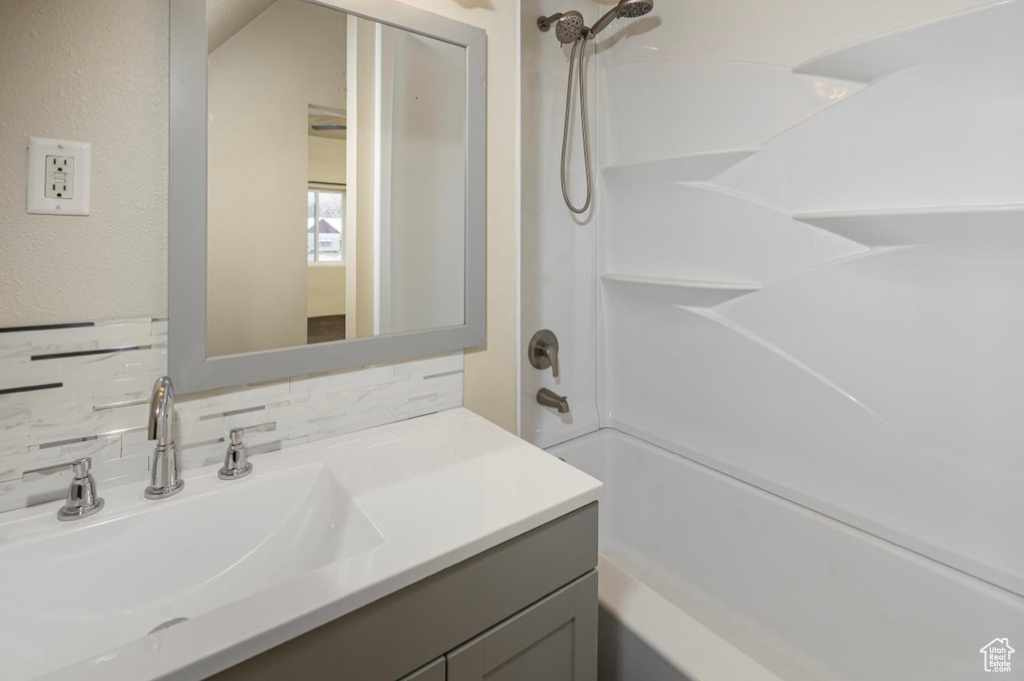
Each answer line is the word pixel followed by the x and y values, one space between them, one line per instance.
pixel 80 469
pixel 236 459
pixel 543 351
pixel 239 433
pixel 81 501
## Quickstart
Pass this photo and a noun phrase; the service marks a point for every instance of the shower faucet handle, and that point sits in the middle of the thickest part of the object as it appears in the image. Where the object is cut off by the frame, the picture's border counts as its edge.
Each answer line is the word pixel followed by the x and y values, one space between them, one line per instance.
pixel 543 351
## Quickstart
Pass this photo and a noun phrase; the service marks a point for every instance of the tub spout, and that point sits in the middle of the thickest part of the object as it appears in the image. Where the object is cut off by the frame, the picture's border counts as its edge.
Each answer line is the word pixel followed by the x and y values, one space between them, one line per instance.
pixel 547 398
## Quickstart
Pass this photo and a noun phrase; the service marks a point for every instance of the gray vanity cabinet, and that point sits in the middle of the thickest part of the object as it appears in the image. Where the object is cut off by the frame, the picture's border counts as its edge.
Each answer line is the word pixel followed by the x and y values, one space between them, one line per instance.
pixel 435 671
pixel 554 640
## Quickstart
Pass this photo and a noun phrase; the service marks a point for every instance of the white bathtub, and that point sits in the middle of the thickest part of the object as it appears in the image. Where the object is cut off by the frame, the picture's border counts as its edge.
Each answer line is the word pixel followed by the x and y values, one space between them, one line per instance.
pixel 705 577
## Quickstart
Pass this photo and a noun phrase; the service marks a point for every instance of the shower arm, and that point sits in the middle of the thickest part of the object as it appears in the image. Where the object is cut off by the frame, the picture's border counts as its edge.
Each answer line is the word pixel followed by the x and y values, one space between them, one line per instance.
pixel 545 23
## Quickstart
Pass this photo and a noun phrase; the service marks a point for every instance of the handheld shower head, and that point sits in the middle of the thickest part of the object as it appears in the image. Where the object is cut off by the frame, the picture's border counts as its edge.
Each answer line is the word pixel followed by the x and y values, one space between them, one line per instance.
pixel 631 9
pixel 626 9
pixel 569 27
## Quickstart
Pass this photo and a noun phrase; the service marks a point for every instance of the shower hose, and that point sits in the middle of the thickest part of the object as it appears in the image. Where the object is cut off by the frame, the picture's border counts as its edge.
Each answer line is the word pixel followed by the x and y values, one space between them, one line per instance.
pixel 579 46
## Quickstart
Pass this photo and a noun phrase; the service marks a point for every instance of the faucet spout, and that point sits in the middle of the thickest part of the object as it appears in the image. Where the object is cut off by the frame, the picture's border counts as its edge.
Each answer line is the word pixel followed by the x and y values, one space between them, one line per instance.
pixel 165 479
pixel 161 412
pixel 549 398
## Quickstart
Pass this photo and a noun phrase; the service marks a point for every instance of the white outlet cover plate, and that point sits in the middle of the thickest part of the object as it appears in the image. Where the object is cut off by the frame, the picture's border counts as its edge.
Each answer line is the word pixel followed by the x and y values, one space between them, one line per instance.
pixel 38 149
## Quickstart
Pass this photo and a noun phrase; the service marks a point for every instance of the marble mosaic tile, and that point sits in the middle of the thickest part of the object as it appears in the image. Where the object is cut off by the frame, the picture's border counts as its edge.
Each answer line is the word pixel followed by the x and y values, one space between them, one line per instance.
pixel 82 390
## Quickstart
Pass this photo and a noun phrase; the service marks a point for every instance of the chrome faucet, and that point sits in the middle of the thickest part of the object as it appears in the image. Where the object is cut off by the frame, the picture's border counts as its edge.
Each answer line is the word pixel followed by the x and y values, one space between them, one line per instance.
pixel 81 501
pixel 236 459
pixel 166 480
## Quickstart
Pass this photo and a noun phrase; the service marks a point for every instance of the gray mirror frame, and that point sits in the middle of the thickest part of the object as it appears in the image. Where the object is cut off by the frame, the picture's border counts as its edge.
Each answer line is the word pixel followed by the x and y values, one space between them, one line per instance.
pixel 189 367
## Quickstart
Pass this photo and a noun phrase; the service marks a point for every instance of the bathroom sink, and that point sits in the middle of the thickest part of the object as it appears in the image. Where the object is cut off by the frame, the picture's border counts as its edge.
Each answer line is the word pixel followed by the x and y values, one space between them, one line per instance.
pixel 67 592
pixel 183 588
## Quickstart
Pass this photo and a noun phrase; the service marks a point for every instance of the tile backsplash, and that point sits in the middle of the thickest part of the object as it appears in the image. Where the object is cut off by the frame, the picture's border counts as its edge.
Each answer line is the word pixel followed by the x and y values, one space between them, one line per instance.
pixel 83 390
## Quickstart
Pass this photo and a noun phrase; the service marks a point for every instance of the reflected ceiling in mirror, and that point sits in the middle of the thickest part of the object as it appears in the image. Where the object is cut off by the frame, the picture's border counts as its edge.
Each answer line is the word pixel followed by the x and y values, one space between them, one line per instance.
pixel 336 178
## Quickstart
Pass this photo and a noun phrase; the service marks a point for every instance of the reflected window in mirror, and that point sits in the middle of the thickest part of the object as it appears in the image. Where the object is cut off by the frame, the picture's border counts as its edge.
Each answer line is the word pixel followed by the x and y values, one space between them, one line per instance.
pixel 325 226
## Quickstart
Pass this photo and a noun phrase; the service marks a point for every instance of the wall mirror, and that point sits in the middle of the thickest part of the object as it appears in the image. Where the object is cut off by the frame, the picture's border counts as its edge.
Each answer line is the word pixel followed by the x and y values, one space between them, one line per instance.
pixel 326 187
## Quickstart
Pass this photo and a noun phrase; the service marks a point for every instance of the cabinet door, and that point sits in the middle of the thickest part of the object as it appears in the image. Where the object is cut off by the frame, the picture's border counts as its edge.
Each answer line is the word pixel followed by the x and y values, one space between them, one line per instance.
pixel 435 671
pixel 553 640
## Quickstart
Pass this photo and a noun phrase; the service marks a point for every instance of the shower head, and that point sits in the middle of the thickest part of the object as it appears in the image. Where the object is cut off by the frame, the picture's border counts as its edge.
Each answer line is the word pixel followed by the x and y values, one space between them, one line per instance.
pixel 569 27
pixel 626 9
pixel 631 9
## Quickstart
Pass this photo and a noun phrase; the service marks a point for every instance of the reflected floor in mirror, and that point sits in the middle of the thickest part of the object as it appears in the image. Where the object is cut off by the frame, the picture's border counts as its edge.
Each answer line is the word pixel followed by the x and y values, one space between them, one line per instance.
pixel 325 329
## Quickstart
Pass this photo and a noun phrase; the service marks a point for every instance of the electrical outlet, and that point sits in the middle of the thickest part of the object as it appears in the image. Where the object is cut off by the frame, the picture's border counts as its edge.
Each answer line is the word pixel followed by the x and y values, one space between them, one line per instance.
pixel 58 177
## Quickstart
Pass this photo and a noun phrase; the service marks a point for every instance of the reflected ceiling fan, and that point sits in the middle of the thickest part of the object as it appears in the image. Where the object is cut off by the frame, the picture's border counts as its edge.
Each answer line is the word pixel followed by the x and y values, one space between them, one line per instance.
pixel 327 122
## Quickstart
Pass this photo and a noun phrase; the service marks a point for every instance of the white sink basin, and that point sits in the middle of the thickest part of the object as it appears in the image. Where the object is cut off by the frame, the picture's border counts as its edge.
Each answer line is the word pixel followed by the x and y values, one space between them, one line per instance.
pixel 231 569
pixel 73 590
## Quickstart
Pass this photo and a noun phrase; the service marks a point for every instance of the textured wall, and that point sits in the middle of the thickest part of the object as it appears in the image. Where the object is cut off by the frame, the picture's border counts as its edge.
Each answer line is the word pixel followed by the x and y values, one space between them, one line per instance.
pixel 94 72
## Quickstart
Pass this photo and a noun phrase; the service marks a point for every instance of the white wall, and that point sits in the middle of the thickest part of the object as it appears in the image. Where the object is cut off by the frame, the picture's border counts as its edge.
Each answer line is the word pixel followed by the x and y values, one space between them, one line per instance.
pixel 225 18
pixel 423 179
pixel 779 32
pixel 60 78
pixel 261 83
pixel 326 290
pixel 864 363
pixel 361 211
pixel 327 160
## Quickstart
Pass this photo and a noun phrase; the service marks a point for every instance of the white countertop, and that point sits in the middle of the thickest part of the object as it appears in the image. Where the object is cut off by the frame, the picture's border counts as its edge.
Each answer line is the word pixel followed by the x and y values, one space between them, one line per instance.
pixel 439 489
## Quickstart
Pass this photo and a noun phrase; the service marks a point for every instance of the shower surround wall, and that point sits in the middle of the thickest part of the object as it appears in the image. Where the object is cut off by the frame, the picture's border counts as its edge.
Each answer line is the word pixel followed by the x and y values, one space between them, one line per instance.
pixel 558 249
pixel 809 265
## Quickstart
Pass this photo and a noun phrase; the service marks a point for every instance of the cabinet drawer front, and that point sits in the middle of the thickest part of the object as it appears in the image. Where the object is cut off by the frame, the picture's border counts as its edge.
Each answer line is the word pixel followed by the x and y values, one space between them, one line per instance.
pixel 435 671
pixel 553 640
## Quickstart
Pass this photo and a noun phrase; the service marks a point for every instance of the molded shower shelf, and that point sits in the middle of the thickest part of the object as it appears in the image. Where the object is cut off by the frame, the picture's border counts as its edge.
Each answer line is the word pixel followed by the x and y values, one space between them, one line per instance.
pixel 689 168
pixel 971 32
pixel 916 226
pixel 685 292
